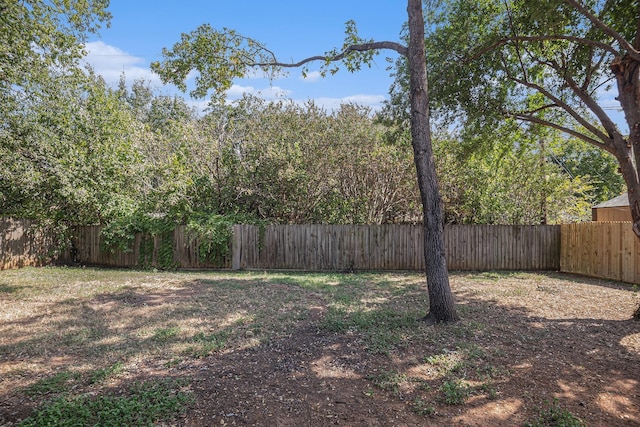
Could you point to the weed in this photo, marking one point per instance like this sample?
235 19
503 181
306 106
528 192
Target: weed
145 404
422 384
420 407
162 335
455 392
173 362
471 351
554 415
447 363
489 371
207 344
383 328
58 383
100 375
489 388
335 320
463 330
381 341
388 380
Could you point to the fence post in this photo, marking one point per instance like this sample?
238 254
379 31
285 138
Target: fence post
236 248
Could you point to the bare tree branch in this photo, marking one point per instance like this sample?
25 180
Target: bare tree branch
401 49
553 37
515 34
591 103
566 107
537 110
533 119
605 29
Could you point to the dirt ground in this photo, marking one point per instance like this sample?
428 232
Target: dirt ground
591 364
526 343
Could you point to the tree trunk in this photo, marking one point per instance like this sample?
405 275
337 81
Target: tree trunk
441 302
627 73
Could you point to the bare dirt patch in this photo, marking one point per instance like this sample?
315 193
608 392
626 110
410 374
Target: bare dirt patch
325 349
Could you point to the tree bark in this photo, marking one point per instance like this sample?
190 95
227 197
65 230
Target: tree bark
441 301
627 150
627 73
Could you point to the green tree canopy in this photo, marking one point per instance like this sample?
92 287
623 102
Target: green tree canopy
544 63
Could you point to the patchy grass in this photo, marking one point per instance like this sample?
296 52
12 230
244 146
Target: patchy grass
80 345
554 415
144 403
388 380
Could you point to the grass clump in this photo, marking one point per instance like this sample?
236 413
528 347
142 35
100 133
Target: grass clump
455 392
388 380
55 384
447 363
555 416
205 344
383 329
102 374
163 335
420 407
146 404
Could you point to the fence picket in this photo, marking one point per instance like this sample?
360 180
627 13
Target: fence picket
608 250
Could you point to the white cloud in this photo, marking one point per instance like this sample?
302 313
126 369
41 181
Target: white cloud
110 62
200 105
236 91
270 92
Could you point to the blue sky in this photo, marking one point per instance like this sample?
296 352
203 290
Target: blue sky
292 29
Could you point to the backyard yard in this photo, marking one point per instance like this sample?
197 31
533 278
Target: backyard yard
122 347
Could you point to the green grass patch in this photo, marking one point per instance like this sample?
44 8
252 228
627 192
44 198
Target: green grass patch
206 344
102 374
388 380
383 328
554 415
455 392
163 335
145 404
421 407
9 289
55 384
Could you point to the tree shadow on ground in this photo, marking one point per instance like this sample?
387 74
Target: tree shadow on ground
281 365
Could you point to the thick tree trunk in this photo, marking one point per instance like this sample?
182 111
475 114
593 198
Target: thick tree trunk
627 73
441 302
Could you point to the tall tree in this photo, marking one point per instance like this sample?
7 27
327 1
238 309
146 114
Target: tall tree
221 56
510 180
547 63
40 40
52 111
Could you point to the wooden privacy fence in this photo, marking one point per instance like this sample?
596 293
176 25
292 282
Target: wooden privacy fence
22 244
312 247
171 250
393 247
608 250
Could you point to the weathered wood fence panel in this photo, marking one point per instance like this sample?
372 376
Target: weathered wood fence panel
608 250
394 247
21 244
146 251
